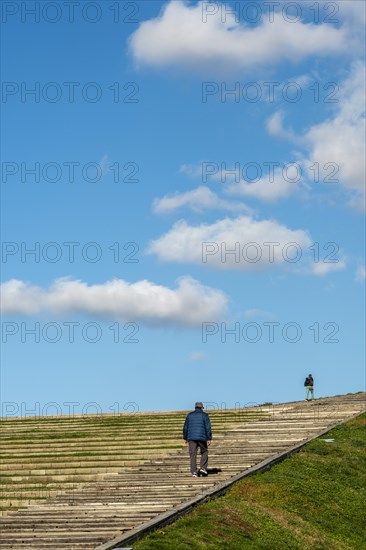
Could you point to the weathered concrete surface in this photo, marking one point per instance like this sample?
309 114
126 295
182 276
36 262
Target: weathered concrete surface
120 505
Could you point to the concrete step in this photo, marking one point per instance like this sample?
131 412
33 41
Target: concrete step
99 507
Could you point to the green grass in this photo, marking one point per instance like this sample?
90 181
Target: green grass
314 500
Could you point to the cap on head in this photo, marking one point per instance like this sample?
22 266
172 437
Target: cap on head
198 405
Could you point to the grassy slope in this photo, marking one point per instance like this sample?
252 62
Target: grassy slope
313 500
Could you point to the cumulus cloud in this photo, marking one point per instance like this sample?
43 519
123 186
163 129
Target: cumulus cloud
274 186
188 304
199 199
271 184
336 146
243 244
332 152
341 139
353 12
182 36
254 245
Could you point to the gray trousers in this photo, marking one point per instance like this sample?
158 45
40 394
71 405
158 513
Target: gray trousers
193 448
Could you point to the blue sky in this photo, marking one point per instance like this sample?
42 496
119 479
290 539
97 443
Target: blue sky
160 137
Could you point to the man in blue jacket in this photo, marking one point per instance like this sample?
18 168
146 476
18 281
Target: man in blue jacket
197 434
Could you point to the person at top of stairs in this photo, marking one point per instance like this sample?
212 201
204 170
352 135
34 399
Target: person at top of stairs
309 385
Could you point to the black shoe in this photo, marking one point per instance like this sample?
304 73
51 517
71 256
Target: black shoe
202 472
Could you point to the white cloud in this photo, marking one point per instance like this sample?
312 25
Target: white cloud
276 183
352 11
332 150
191 170
323 268
360 273
341 139
275 127
189 304
271 187
179 37
335 148
198 199
209 244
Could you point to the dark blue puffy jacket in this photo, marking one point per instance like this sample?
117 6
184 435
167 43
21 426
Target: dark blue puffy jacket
197 426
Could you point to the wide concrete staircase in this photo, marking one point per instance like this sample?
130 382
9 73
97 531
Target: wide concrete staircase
78 482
